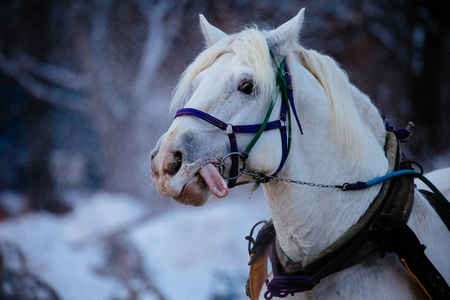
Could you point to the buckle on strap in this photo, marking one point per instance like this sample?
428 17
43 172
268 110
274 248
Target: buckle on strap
229 129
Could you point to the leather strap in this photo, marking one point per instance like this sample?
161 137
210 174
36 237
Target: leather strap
257 276
394 235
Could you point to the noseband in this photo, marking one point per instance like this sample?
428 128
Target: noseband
283 123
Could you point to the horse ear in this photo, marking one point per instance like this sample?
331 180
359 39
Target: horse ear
287 34
210 33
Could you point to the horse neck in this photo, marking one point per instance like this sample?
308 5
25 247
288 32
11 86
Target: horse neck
308 219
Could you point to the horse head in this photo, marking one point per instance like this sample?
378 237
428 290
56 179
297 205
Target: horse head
232 80
235 81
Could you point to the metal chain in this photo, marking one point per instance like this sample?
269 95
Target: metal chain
261 176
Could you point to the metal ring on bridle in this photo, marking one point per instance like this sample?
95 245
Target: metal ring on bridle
222 166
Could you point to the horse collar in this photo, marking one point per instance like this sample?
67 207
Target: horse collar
382 228
395 198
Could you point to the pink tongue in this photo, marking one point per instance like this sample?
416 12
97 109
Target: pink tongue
214 181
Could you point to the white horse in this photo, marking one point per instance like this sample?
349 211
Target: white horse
343 140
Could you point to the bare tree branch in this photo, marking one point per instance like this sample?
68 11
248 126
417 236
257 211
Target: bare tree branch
55 74
158 42
46 92
100 65
390 44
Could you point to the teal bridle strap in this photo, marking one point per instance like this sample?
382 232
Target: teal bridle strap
260 131
286 109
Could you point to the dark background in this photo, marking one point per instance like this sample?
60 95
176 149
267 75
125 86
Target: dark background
85 85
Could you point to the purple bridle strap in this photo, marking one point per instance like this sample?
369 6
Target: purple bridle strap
239 129
291 96
279 123
283 286
222 125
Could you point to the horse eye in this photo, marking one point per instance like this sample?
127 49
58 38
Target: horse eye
246 87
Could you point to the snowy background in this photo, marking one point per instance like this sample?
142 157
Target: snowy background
112 246
85 88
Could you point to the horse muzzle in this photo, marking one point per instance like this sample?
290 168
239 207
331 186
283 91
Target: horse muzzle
177 174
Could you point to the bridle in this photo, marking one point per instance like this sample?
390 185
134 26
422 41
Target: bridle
283 123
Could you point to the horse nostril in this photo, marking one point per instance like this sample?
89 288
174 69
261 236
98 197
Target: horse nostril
174 166
152 163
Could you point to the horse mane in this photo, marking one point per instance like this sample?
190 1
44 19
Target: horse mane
250 45
354 117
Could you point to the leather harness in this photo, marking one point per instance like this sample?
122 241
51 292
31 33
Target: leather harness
382 228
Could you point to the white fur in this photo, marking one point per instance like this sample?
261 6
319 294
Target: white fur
212 34
343 141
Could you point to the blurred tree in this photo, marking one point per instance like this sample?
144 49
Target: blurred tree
27 116
101 60
397 51
111 60
121 45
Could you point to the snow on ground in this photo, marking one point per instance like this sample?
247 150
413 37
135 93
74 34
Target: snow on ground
188 252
